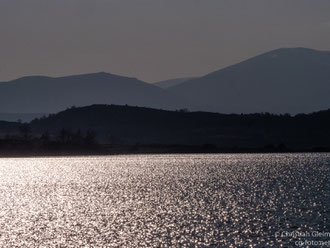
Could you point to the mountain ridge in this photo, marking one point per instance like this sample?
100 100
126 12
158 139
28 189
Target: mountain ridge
285 80
42 94
281 73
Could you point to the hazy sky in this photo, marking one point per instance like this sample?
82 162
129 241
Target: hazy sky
151 39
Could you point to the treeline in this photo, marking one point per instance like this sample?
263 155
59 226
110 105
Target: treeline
63 140
136 129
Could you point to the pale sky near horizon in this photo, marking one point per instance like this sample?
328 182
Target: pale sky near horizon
152 40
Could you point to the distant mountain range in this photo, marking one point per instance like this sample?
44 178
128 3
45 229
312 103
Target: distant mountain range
40 94
172 82
281 81
293 80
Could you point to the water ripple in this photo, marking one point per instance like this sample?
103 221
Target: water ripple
163 200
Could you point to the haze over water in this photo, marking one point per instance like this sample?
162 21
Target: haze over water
164 200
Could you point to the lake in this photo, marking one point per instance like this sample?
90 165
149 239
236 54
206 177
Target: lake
227 200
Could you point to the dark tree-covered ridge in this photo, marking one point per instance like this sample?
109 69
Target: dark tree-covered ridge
114 124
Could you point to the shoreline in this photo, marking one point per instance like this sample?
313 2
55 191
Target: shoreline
147 150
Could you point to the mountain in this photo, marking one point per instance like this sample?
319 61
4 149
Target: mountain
40 94
288 80
136 125
172 82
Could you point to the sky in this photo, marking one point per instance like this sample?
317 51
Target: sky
152 40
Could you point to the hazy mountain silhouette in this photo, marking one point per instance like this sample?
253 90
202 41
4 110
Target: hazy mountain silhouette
40 94
132 125
293 80
172 82
281 81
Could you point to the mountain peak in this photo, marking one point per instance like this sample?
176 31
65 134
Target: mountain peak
296 51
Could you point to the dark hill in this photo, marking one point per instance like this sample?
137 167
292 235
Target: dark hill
8 128
131 125
281 81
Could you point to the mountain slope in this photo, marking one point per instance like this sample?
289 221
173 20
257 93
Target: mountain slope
172 82
46 95
293 80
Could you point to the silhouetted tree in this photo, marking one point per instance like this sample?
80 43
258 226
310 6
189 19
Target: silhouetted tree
282 147
25 131
63 136
45 138
77 138
184 110
90 138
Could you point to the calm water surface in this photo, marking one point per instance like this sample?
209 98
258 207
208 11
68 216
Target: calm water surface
164 200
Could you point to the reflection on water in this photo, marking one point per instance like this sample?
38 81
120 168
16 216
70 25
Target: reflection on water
172 200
